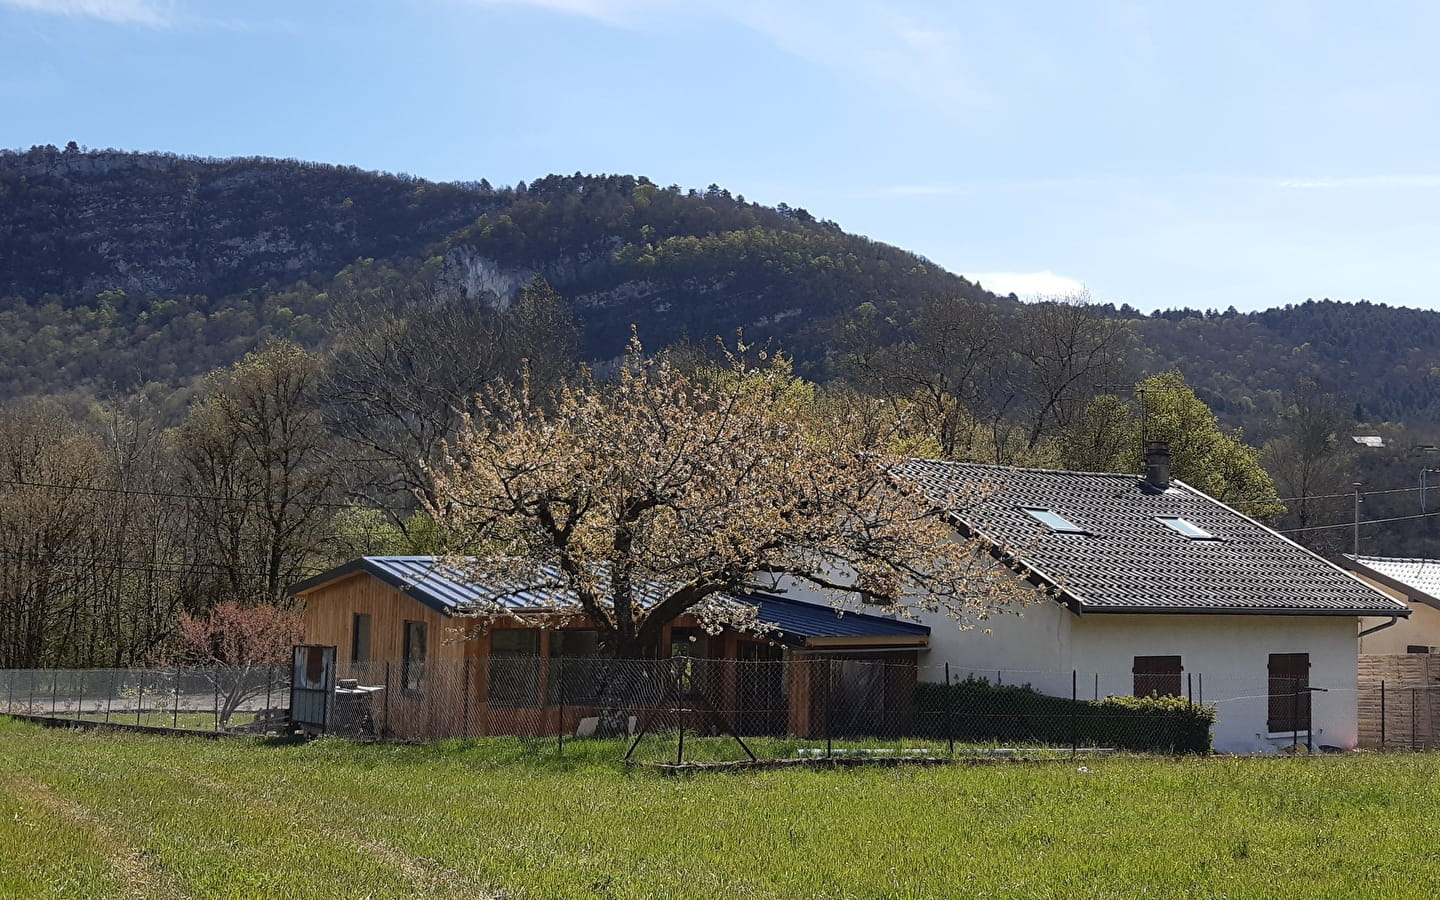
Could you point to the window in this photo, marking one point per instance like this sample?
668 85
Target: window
515 667
360 639
1157 676
412 673
1052 520
1289 692
574 669
1189 529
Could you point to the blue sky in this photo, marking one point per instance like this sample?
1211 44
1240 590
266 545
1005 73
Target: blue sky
1161 154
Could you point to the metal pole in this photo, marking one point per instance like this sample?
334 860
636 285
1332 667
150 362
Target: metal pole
1295 712
385 730
30 710
1189 689
1074 723
269 684
217 700
1097 687
949 712
1382 714
140 697
1201 685
111 696
829 677
1357 519
10 691
680 747
54 691
1413 718
175 713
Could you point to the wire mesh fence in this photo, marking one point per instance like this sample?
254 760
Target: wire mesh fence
233 699
693 709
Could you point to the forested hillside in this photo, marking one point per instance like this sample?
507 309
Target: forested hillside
217 376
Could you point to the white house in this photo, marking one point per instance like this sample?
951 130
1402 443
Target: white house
1159 588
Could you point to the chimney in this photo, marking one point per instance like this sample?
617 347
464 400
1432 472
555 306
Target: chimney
1157 464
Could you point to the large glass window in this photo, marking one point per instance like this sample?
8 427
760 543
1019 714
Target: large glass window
413 667
515 667
574 667
360 639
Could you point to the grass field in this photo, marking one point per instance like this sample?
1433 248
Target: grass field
116 815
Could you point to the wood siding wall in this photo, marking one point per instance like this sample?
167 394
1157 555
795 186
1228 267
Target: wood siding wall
1411 701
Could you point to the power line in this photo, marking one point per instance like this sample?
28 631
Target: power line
1363 522
176 495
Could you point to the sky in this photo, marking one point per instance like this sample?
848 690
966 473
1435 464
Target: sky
1164 154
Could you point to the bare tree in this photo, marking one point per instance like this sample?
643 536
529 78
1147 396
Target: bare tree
1306 459
255 465
402 372
1067 348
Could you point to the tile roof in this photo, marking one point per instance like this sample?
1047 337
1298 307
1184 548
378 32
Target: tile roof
449 592
1419 578
1128 561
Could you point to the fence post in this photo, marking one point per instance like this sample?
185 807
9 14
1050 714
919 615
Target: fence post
10 691
30 710
1097 687
385 730
949 712
269 685
1201 685
1189 689
829 684
1382 714
680 746
217 699
1074 722
175 701
1295 712
110 697
54 690
80 710
1413 718
140 697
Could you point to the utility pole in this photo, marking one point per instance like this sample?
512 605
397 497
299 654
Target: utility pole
1357 485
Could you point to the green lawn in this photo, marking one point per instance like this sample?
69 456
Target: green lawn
114 815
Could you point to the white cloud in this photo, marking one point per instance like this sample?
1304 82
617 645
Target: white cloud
918 52
1027 285
122 12
1390 182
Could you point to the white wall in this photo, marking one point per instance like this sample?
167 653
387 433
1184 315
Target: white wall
1043 643
1229 659
1421 628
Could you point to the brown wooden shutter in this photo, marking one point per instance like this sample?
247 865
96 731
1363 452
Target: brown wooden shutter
1289 697
1158 675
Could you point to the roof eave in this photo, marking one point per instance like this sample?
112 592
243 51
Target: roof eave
1399 611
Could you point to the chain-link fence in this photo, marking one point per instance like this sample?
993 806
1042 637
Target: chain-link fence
721 709
695 709
252 699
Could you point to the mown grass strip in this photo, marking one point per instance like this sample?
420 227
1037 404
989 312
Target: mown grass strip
509 814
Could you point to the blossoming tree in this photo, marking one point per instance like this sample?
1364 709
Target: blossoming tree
662 493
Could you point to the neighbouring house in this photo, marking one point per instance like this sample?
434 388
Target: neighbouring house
1400 658
1413 582
1158 588
400 622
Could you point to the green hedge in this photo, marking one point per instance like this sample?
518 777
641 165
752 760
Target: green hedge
975 710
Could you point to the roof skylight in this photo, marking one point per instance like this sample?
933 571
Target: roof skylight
1052 520
1184 526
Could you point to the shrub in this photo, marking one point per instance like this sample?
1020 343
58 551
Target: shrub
975 710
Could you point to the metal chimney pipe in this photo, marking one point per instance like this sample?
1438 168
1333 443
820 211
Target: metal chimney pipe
1157 464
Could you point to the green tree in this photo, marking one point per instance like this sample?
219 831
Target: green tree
1110 436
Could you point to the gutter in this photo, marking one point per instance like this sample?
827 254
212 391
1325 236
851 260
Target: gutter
1381 627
